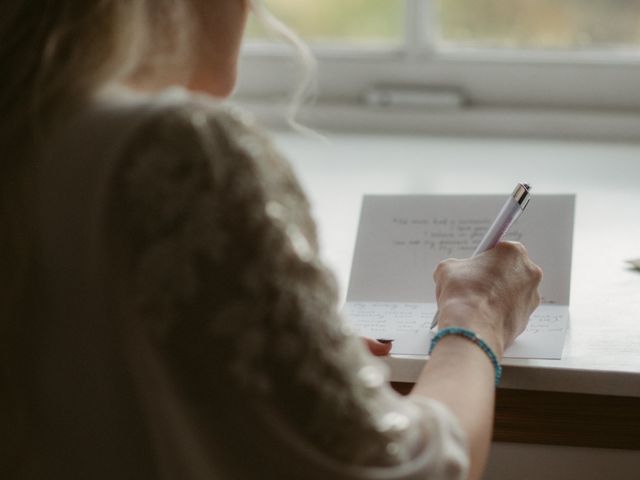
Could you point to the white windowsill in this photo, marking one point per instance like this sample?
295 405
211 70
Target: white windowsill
604 177
600 125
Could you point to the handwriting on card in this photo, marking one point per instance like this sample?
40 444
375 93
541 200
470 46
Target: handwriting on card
443 235
541 323
408 324
381 319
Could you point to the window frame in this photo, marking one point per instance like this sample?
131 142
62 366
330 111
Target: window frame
562 84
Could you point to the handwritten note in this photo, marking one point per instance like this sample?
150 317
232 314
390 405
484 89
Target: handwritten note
442 235
402 238
408 325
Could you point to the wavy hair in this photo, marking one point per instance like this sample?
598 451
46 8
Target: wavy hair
54 54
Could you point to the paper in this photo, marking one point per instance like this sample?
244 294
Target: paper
408 325
401 239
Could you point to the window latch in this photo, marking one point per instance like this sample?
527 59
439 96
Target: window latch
415 97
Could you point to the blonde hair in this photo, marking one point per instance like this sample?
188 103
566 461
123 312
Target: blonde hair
306 60
54 53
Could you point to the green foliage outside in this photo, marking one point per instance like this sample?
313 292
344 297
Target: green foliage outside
541 23
339 20
490 23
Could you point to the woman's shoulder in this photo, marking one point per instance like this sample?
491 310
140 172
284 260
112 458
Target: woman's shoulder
170 130
179 128
185 147
104 127
172 115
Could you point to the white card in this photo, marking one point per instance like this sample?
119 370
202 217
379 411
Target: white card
407 324
402 238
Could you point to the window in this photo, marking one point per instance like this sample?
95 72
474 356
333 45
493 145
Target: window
339 21
540 24
548 66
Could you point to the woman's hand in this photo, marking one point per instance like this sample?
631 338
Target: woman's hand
492 294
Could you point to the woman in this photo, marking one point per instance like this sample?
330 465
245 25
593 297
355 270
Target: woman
165 313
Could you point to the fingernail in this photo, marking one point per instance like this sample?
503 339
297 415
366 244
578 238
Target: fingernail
384 340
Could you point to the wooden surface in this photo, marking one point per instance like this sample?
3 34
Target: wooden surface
567 419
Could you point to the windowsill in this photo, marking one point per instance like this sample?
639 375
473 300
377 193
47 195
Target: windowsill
604 176
592 125
338 171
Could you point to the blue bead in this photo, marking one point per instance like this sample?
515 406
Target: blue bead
463 332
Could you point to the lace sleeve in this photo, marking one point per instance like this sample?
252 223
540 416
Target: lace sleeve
225 258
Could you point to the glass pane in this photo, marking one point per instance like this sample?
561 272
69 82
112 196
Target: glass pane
338 21
552 24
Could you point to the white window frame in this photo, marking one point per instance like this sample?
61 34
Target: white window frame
576 94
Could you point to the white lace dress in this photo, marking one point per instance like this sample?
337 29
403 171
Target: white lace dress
189 320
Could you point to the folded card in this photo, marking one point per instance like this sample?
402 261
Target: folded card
402 238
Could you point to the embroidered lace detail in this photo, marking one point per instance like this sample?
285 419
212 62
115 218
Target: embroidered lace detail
227 278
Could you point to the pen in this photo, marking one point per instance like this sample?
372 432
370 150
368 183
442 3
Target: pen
509 213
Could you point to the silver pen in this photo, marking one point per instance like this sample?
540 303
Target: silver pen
511 210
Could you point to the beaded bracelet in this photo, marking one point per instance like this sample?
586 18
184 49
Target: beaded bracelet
468 334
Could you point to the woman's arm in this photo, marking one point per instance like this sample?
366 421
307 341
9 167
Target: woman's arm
492 295
225 275
458 376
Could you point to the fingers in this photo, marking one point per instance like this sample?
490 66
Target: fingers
515 246
441 271
443 267
500 284
377 348
535 272
530 272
